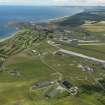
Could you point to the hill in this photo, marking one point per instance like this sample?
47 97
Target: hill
34 70
80 18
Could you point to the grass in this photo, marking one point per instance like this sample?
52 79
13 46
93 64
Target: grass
94 27
89 51
14 90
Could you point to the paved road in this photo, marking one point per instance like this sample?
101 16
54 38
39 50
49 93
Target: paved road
92 44
81 55
76 54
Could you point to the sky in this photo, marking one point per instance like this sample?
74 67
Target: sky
52 2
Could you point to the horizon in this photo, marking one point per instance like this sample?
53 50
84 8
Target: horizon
55 5
53 2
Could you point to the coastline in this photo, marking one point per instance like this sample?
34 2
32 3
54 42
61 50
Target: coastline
58 18
49 20
14 33
9 37
61 17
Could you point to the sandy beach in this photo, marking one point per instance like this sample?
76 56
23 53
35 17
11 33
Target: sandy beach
6 38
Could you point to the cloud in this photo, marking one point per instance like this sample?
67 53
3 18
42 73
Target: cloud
53 2
78 2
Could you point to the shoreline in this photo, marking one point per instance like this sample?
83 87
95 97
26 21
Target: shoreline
14 33
9 37
58 18
6 38
62 17
49 20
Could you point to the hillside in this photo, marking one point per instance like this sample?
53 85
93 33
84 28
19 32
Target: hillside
50 64
80 18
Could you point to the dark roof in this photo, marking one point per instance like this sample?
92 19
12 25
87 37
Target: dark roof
66 84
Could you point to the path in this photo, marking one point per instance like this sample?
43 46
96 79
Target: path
76 54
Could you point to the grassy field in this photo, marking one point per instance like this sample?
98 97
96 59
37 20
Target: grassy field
94 27
15 90
34 60
93 51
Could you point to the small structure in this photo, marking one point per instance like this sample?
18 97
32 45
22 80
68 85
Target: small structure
62 86
103 65
86 68
65 84
74 91
55 88
59 53
42 84
14 73
34 51
74 42
69 87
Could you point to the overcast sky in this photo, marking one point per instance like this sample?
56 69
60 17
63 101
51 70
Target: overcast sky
52 2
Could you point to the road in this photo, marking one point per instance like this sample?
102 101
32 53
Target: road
76 54
91 44
81 55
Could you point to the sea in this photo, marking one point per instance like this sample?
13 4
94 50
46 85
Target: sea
31 14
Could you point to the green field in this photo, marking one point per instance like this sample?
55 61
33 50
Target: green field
95 27
27 58
15 90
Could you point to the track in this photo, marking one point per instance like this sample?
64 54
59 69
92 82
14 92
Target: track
76 54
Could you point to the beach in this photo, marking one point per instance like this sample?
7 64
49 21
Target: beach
6 38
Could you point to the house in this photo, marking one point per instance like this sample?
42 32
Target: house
74 42
34 51
14 73
86 68
42 84
61 87
65 84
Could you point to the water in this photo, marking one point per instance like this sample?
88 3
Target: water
29 13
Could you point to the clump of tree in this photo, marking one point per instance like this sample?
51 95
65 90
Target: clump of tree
101 99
